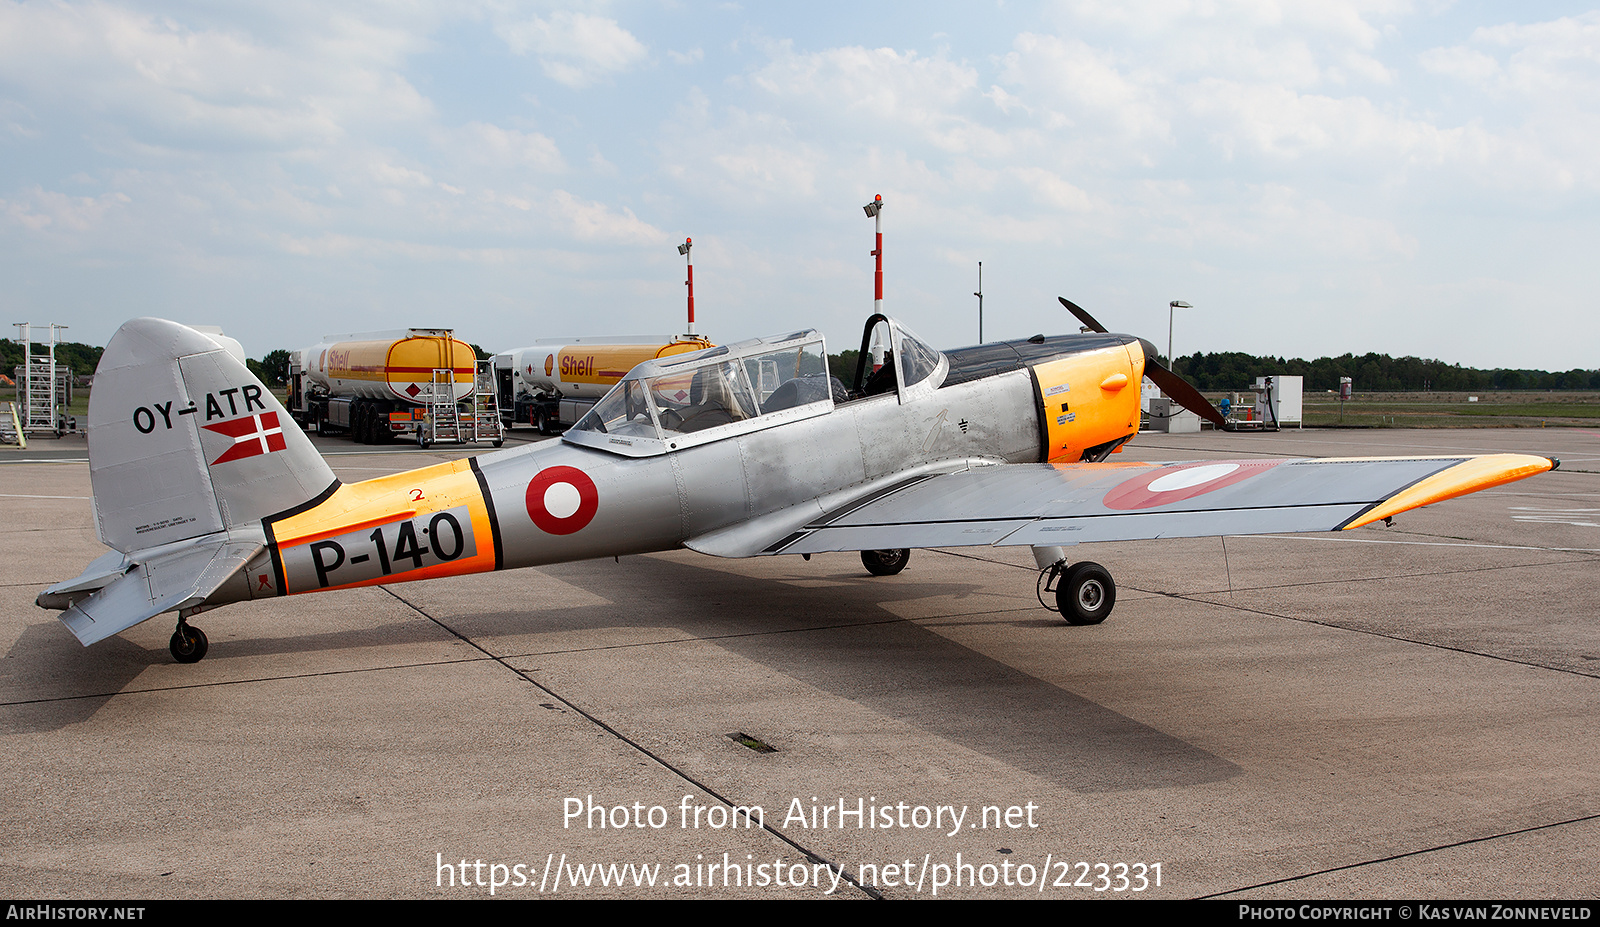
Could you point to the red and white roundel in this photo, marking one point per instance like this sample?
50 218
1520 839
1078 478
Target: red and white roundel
561 500
1163 485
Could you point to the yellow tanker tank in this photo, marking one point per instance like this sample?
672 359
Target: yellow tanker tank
578 369
398 369
552 383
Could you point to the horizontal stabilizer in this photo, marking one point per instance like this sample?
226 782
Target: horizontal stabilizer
162 580
97 575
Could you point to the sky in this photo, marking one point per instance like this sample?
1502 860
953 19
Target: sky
1411 178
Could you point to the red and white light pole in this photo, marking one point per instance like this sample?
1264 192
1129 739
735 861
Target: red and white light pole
874 211
683 249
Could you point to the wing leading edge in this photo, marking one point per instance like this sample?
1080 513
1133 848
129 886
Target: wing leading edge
1058 505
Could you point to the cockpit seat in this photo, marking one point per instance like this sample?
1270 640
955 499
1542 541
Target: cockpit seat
798 391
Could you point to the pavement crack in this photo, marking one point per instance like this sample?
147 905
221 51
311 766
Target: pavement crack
658 759
236 682
1392 857
1193 597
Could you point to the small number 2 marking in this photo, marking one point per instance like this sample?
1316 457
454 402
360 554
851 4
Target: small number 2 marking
416 495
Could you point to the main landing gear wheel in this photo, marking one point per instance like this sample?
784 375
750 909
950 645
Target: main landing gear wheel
885 562
1085 593
189 644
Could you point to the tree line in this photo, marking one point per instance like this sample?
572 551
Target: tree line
1227 370
1232 370
82 358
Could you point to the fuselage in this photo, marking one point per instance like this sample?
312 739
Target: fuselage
1060 399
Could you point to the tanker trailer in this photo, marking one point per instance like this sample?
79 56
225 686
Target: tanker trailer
376 385
553 382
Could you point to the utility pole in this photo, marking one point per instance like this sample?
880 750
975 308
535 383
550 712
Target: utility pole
1174 305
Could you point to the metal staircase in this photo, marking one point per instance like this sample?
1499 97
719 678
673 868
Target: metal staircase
42 385
443 422
467 422
486 423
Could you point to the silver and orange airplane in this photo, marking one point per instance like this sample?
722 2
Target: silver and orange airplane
208 494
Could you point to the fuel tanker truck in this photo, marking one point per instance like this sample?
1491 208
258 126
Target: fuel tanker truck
416 383
552 383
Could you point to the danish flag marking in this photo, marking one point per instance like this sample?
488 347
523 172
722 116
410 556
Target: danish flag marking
251 434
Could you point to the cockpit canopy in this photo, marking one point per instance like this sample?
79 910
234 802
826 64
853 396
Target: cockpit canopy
690 399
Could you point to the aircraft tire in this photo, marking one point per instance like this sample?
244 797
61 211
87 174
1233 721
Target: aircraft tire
189 644
885 562
1086 594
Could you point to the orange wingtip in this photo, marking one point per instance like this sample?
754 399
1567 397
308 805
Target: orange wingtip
1467 476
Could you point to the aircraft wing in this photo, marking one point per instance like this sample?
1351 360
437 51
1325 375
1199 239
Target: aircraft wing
1063 504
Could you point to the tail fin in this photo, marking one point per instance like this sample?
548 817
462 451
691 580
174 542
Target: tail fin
184 441
188 452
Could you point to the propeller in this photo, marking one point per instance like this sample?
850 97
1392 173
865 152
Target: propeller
1173 385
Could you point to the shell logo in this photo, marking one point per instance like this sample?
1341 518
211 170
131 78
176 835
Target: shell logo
1165 485
549 364
562 500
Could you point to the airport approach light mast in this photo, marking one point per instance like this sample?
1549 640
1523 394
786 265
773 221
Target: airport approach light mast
688 259
873 211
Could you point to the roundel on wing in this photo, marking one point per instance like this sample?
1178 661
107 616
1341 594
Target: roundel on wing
1165 485
561 500
549 364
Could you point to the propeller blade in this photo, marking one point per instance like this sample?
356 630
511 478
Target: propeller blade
1174 386
1178 388
1082 315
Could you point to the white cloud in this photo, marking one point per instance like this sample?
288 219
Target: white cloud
487 143
48 211
594 222
171 85
575 49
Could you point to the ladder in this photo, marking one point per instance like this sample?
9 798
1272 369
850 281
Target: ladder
486 423
445 419
444 416
40 386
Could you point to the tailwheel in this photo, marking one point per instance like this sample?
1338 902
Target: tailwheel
885 562
1085 593
189 644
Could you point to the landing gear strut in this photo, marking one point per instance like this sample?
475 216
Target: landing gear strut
1084 591
189 644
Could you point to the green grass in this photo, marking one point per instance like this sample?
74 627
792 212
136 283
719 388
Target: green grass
1451 410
